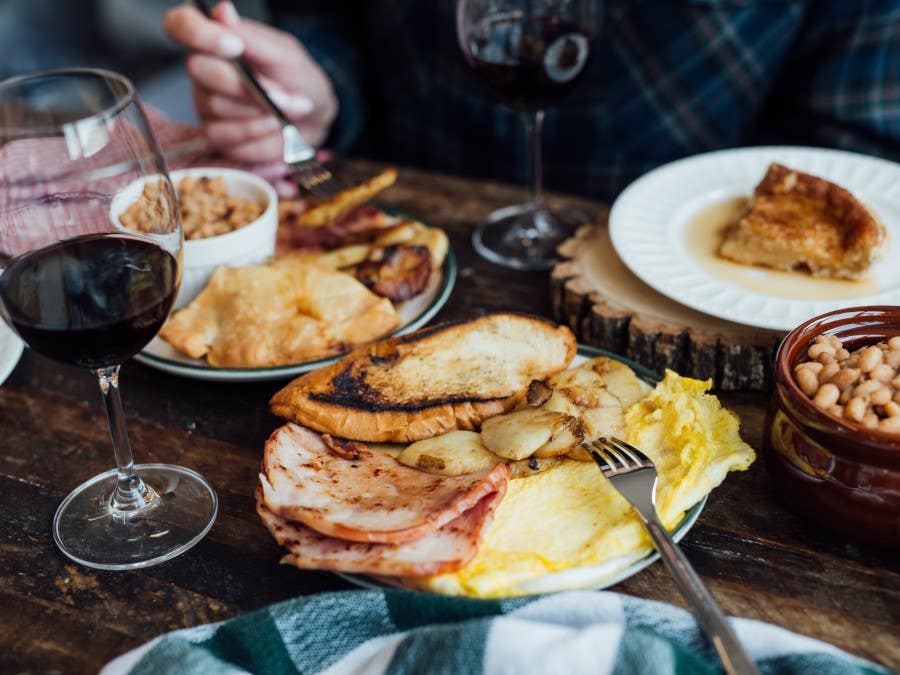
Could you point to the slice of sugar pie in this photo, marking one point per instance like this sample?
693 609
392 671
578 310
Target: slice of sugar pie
797 221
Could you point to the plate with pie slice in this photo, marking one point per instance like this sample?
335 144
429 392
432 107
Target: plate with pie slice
765 236
413 313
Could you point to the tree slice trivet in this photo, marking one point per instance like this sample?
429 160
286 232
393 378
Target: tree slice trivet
607 306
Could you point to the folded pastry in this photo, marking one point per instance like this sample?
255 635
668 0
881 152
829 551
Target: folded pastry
796 221
268 315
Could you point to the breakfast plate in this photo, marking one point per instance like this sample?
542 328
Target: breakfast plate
597 576
665 225
10 350
414 314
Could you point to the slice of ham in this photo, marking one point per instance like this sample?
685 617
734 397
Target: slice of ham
445 550
371 499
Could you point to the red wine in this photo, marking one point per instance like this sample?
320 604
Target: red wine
92 301
529 64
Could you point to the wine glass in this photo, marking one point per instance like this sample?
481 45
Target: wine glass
75 150
530 54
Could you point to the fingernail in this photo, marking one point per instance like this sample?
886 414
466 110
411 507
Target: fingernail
230 15
230 46
292 103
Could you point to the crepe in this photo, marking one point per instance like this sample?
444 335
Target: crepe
268 315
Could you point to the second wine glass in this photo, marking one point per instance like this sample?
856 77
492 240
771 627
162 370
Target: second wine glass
530 54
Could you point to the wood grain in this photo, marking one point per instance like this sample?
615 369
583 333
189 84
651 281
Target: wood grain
760 560
607 306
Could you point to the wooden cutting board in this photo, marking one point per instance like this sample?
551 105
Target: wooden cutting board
607 306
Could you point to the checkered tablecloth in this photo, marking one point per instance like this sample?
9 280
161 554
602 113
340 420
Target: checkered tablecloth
401 632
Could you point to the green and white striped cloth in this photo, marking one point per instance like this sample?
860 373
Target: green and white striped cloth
400 632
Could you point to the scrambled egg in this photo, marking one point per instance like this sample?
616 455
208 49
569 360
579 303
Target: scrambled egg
570 516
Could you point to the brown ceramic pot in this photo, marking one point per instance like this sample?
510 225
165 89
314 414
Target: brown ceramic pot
843 476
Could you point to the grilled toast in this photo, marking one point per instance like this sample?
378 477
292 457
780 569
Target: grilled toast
797 221
444 377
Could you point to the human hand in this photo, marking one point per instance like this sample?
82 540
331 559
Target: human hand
232 120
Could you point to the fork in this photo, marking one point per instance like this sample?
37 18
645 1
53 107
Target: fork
311 176
634 475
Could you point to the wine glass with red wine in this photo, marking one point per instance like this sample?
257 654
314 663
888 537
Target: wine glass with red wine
78 287
530 54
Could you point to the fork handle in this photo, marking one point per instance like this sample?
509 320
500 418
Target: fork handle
709 615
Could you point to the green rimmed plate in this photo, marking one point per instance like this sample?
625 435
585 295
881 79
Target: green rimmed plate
594 577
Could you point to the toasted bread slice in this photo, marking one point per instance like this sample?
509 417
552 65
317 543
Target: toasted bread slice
449 376
797 221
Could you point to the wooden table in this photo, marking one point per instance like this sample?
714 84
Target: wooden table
759 560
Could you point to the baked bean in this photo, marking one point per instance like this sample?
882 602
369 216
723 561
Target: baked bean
845 378
890 424
808 381
826 357
828 372
883 373
820 348
867 388
814 366
862 386
855 409
870 357
880 396
827 395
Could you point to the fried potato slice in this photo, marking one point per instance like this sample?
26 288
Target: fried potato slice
520 433
452 454
323 212
338 258
619 379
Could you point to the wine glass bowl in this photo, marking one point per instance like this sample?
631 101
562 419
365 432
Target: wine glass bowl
80 290
529 54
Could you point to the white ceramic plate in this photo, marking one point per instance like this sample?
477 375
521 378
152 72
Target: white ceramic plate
595 577
414 314
650 220
10 350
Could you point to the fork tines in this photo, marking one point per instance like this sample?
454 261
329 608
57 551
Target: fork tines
317 180
615 455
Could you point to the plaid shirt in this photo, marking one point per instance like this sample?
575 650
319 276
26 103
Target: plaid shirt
668 78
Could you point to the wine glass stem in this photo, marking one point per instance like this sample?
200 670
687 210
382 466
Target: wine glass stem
536 126
131 493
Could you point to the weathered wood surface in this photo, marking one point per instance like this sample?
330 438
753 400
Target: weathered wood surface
760 560
607 306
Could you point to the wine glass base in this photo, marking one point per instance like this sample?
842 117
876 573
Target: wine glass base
89 532
525 237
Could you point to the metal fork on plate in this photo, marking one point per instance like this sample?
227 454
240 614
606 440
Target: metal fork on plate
634 475
311 176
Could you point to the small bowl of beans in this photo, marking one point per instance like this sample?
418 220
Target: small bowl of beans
832 431
229 217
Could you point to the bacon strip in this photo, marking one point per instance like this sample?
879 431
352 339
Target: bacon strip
372 499
445 550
